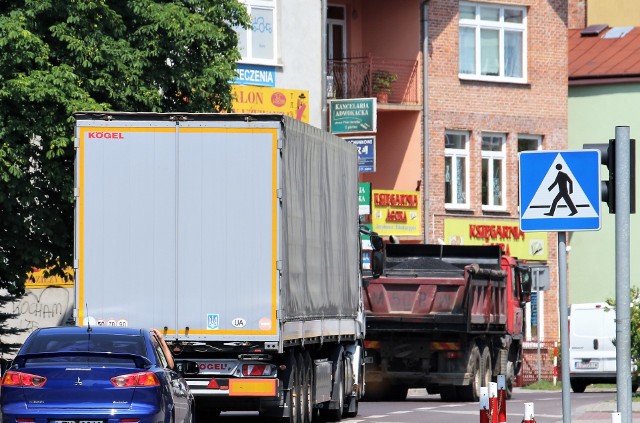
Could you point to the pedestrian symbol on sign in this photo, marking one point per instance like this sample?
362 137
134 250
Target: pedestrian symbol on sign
565 189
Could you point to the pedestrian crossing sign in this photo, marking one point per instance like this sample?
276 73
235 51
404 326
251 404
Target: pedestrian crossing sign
560 190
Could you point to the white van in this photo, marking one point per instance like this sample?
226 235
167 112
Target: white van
592 354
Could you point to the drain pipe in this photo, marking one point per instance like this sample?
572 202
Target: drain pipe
425 115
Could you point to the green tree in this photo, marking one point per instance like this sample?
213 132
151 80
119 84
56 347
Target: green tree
62 56
635 323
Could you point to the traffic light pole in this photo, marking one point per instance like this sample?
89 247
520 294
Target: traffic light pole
622 253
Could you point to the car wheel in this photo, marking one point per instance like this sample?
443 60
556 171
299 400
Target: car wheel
578 386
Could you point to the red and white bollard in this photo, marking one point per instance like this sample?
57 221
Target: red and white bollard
493 401
616 417
502 399
555 364
528 413
485 412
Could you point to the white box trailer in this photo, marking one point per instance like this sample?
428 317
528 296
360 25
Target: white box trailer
237 237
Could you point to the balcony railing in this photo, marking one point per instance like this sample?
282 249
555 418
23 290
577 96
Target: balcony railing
354 78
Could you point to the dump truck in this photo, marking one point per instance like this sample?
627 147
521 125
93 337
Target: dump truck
446 318
235 235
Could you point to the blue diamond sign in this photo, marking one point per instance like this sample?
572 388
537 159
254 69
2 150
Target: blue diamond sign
560 190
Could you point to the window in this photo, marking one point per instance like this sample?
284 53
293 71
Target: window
493 42
493 169
456 163
258 44
529 142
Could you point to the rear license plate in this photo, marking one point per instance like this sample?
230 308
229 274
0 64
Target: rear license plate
76 421
586 364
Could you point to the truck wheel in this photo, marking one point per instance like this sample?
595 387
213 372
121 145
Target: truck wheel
306 381
448 393
292 384
335 414
471 392
509 378
397 393
486 370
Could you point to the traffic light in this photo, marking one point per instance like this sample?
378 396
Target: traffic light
608 158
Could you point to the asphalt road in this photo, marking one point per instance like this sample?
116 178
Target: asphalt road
593 406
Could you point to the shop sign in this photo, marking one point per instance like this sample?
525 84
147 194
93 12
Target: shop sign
364 198
505 233
366 152
250 99
351 116
396 212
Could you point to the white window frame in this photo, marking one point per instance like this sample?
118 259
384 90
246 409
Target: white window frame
492 157
248 55
455 153
477 24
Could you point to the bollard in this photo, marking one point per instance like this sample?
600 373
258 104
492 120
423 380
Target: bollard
616 417
484 405
528 413
493 401
502 399
555 364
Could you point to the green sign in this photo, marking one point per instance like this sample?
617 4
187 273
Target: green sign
364 198
353 116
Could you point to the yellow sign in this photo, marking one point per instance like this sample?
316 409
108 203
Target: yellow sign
37 279
252 99
396 212
506 233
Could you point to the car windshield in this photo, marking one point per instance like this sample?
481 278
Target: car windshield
85 342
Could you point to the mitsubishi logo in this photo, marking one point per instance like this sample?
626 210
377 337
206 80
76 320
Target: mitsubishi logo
78 382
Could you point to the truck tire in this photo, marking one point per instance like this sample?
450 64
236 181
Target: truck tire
292 385
337 393
306 381
397 393
448 393
509 379
471 392
486 369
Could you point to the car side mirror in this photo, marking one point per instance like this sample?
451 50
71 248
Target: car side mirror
187 367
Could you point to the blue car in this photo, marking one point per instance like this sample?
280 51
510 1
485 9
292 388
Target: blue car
95 375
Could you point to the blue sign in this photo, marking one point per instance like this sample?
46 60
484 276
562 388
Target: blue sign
264 76
366 152
560 190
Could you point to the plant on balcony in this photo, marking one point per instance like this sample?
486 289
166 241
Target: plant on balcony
381 82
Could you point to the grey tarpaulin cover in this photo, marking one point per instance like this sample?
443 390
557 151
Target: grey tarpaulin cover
320 181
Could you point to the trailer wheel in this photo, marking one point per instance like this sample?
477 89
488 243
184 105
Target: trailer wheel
306 381
471 392
292 385
486 370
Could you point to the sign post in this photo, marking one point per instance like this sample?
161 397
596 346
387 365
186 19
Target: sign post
560 192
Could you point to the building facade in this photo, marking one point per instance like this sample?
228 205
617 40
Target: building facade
604 87
468 84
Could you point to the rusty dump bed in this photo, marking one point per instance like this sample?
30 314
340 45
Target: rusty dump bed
438 288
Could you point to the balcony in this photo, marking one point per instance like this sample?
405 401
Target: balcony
358 77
